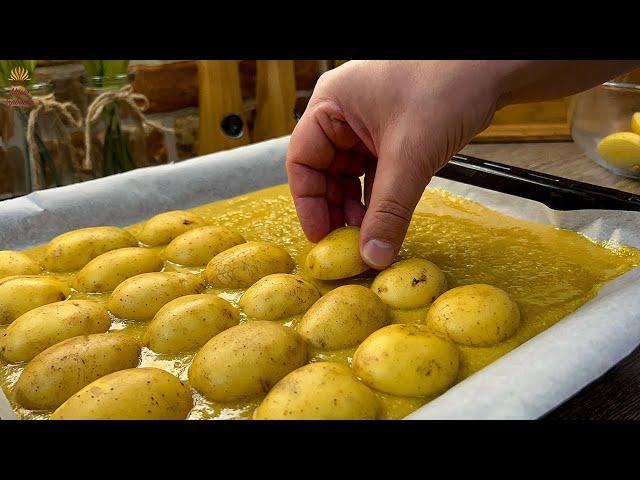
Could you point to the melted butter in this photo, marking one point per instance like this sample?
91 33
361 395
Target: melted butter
550 272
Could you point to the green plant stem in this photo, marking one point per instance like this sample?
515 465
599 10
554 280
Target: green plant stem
115 151
45 158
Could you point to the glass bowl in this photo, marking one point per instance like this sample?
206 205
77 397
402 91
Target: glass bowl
600 120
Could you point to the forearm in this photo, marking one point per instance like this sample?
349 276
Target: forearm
524 81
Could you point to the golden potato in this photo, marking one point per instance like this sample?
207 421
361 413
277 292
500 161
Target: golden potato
409 284
42 327
243 265
140 297
198 246
337 255
277 296
19 294
475 315
16 263
163 228
245 361
188 322
343 318
107 271
132 394
73 250
319 391
407 360
64 368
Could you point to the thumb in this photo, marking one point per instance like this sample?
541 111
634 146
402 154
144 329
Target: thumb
399 181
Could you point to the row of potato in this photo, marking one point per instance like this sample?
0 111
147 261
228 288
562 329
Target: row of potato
80 371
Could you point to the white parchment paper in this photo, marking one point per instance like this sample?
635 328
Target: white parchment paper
524 384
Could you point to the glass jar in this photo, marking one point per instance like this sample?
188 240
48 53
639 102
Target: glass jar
118 141
602 125
58 162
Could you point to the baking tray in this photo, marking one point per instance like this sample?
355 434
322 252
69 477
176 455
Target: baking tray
557 193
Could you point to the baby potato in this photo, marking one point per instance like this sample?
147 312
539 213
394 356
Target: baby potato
409 284
64 368
140 297
196 247
337 255
107 271
19 294
277 296
407 360
73 250
188 322
42 327
245 361
163 228
319 391
131 394
243 265
343 318
475 315
16 263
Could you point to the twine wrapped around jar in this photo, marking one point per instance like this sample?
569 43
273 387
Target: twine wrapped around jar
64 112
125 95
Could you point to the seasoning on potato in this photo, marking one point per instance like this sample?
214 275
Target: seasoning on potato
64 368
42 327
243 265
16 263
140 297
336 256
198 246
407 360
19 294
163 228
131 394
245 361
105 272
319 391
409 284
278 296
73 250
343 318
188 322
475 315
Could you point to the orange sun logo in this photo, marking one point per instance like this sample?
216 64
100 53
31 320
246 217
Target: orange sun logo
19 75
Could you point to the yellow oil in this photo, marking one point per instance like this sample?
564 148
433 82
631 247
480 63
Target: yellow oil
550 272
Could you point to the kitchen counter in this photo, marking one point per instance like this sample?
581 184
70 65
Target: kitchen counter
615 395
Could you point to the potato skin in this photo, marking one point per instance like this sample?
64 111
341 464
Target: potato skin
475 315
409 284
73 250
319 391
243 265
42 327
407 360
189 322
277 296
343 318
19 294
336 256
107 271
140 297
132 394
198 246
166 226
16 263
64 368
245 361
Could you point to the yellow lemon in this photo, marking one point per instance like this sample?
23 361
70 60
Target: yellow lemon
621 149
635 123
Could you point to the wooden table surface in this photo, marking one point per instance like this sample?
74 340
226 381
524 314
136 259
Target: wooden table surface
615 395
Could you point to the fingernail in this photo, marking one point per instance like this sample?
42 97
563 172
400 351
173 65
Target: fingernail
378 254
